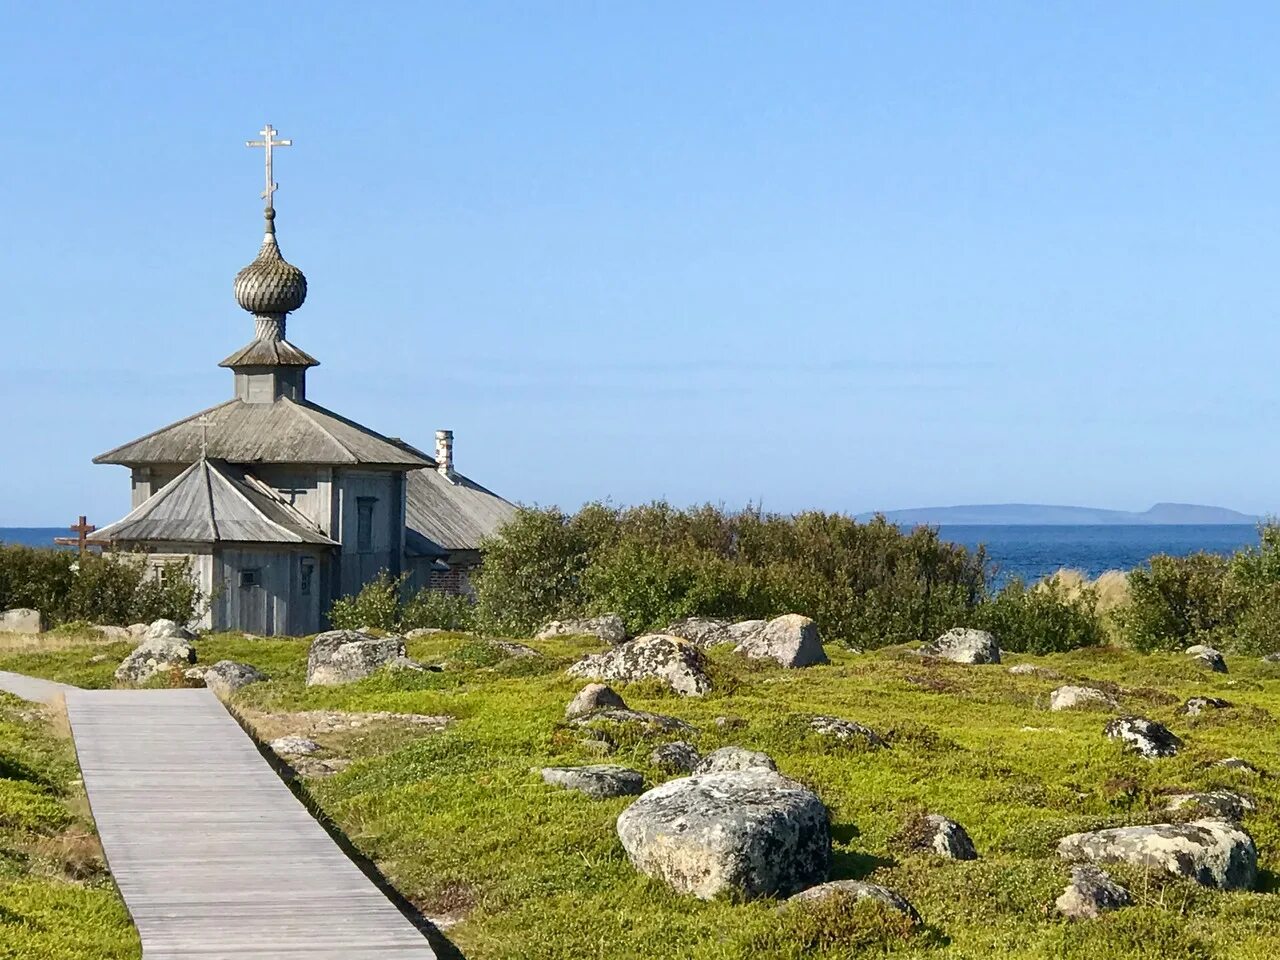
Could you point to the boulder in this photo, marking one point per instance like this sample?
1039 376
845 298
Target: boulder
109 632
342 656
227 676
1078 698
293 746
166 630
791 641
946 838
1207 657
21 620
1143 736
137 630
650 722
675 662
1198 705
593 697
744 630
1091 893
1213 853
963 645
845 731
598 782
751 833
153 656
678 756
608 627
701 631
728 759
857 890
1224 804
417 633
1031 669
512 650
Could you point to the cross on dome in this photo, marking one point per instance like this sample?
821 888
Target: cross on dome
268 143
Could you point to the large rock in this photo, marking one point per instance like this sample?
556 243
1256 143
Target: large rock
845 731
744 630
947 838
752 833
790 640
167 630
1225 804
1080 698
1143 736
21 620
675 662
678 756
1091 893
227 676
598 782
110 631
1214 853
856 890
154 656
728 759
342 656
608 627
701 631
1207 657
963 645
593 697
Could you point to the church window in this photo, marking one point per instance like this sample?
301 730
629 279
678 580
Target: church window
250 577
307 573
364 523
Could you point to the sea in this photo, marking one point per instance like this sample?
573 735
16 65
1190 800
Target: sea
1029 552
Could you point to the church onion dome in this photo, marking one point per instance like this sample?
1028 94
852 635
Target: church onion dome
270 285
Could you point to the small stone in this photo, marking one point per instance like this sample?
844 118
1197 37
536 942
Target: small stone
109 632
845 731
227 676
947 838
857 890
1090 893
1143 736
609 627
417 633
1031 669
734 758
513 650
598 782
729 723
1226 804
1272 657
1235 763
593 697
1078 698
964 645
1198 705
650 722
293 746
167 630
1214 853
678 756
1207 657
194 675
155 655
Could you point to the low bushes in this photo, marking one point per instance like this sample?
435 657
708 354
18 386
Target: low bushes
1050 617
383 605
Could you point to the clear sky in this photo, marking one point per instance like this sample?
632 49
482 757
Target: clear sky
846 256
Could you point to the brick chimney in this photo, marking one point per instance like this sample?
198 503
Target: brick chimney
444 455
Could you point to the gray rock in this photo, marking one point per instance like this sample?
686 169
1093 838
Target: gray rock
1213 853
608 627
342 656
728 759
675 662
598 782
227 676
293 746
167 630
1091 893
153 656
409 665
1243 766
109 632
744 630
857 890
963 645
1031 669
753 833
417 633
845 730
947 838
137 630
678 756
194 676
593 697
650 722
1272 657
21 620
1207 657
513 650
1198 705
729 723
701 631
1143 736
1080 698
791 641
1225 804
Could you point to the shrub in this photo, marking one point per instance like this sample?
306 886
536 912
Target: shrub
1177 601
1051 617
381 604
431 608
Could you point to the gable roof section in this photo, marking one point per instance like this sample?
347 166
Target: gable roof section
286 431
214 503
450 516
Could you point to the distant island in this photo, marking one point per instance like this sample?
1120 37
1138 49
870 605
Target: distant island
1029 514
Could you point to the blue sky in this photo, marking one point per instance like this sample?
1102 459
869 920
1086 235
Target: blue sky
845 256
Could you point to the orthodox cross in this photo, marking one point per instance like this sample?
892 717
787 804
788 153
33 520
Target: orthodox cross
204 423
268 133
81 528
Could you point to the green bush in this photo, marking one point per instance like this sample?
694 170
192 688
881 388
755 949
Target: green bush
431 608
106 589
1176 602
382 604
1046 618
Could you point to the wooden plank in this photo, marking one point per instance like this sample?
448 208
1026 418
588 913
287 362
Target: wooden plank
32 688
213 854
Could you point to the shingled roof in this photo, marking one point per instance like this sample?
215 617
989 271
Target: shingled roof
214 502
450 513
287 431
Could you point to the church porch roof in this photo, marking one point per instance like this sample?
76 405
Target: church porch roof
450 513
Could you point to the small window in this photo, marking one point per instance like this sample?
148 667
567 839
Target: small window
250 578
364 523
307 570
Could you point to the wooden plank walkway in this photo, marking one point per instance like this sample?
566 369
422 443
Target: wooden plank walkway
33 688
213 854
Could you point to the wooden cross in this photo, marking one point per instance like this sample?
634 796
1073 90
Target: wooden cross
81 528
204 423
268 133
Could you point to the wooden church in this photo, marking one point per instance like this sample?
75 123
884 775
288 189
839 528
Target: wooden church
282 506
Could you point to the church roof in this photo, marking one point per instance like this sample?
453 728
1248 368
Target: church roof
444 514
286 431
270 353
214 502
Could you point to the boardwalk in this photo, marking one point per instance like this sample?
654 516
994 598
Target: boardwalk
213 854
33 688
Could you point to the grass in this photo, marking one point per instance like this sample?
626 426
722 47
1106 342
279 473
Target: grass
462 827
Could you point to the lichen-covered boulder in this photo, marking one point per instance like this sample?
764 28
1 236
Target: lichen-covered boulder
599 782
293 746
791 641
675 662
752 833
1143 736
678 756
856 890
1081 698
1225 804
845 731
593 697
608 627
227 676
643 720
1032 669
1214 853
946 838
734 758
1091 893
343 656
964 645
1198 705
1207 657
701 631
167 630
153 656
21 620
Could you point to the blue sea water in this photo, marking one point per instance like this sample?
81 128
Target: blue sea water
1029 552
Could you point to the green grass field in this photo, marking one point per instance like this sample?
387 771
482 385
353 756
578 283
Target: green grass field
464 829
